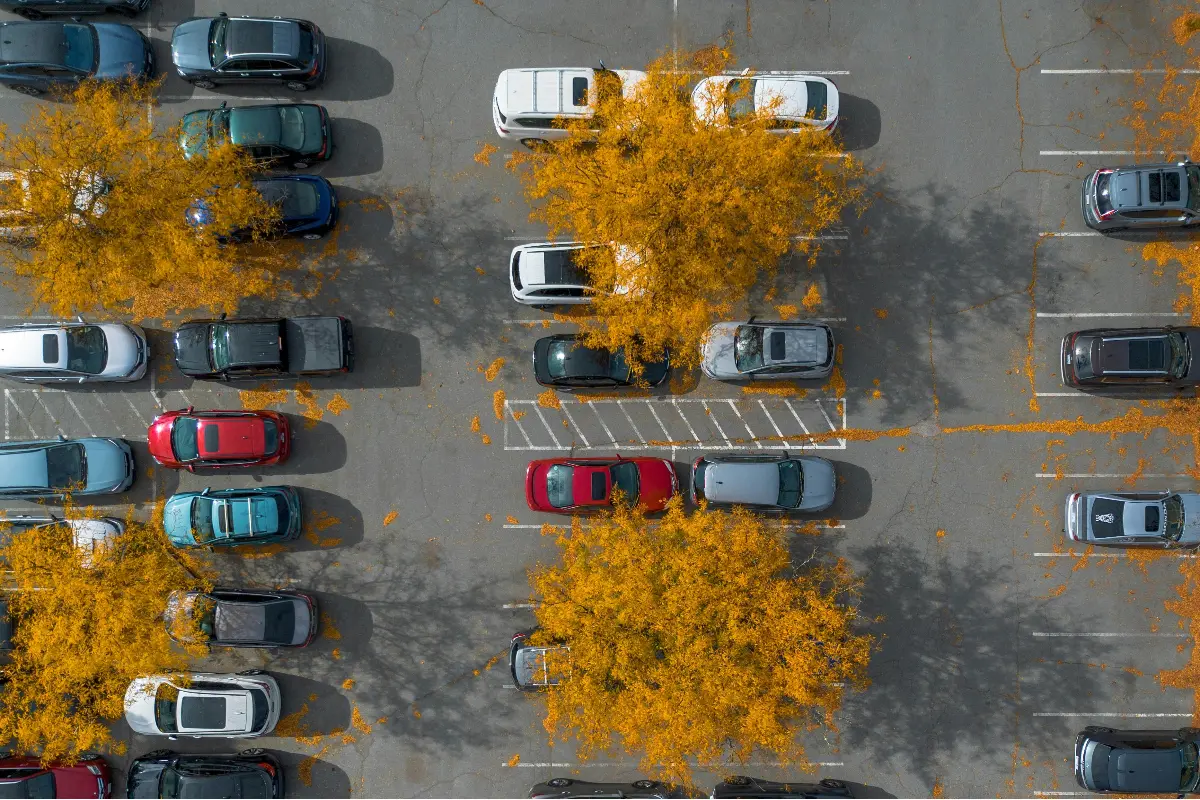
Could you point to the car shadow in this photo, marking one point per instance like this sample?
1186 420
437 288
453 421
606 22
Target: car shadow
859 123
317 778
310 708
385 357
356 72
855 487
357 149
330 520
317 447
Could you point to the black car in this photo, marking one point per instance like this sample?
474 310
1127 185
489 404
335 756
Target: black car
1130 358
246 617
36 57
743 786
232 349
40 9
563 362
307 206
1135 762
163 773
208 51
297 134
570 787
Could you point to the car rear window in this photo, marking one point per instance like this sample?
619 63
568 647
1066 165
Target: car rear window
270 437
1103 198
307 45
1164 187
205 713
258 700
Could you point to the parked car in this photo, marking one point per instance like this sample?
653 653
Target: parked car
743 786
74 352
233 349
203 704
7 631
307 205
19 226
573 787
22 776
209 51
1137 762
764 482
295 134
90 533
795 101
1133 519
1142 197
166 774
189 439
40 9
579 485
1130 358
530 105
535 668
56 467
563 362
245 617
546 273
231 517
37 57
753 350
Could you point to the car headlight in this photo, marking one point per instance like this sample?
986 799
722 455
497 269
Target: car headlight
92 768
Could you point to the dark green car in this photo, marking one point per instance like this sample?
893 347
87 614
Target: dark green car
292 134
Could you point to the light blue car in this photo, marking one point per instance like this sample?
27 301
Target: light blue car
231 517
57 467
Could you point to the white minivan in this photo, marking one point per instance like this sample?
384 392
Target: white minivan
528 101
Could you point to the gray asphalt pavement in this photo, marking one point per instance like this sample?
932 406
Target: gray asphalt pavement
997 644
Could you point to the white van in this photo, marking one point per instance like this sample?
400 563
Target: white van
527 101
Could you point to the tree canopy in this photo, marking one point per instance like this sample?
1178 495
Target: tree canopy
693 634
93 206
692 214
85 625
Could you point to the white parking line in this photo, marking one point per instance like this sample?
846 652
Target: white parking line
566 411
691 430
716 423
753 438
78 413
1038 793
582 764
1117 71
8 399
520 427
829 237
136 413
1107 714
38 397
1111 475
1073 554
1046 234
518 605
1069 314
529 526
545 424
1061 394
771 420
611 439
1110 635
1102 152
629 419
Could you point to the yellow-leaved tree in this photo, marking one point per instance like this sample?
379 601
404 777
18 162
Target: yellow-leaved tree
93 210
692 638
86 622
689 215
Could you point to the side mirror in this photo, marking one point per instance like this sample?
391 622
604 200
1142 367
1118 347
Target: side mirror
189 409
222 14
601 60
223 315
62 438
224 104
207 489
752 319
79 318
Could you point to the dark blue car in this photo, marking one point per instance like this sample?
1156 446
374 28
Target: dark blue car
36 57
308 205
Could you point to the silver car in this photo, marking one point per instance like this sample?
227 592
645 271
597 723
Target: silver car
1133 519
206 704
73 352
750 350
762 482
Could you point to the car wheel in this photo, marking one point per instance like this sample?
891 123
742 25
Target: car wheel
833 783
124 11
312 236
32 91
156 754
300 164
542 306
253 751
204 83
737 780
297 86
253 672
1097 729
559 782
645 784
1116 230
29 13
535 144
88 756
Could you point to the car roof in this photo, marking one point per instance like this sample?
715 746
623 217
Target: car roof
255 125
1149 186
1110 516
277 37
794 345
550 267
560 91
1145 770
33 42
253 343
753 482
1134 353
33 348
25 468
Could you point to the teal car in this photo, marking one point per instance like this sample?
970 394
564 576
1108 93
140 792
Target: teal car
292 134
231 517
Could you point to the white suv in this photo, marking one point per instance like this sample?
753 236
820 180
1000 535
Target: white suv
527 101
545 274
204 704
73 352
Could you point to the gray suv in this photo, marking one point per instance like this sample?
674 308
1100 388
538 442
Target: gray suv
208 51
1142 197
765 483
57 467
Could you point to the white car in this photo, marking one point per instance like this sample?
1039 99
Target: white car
90 534
545 274
527 102
14 202
804 101
73 352
207 704
738 351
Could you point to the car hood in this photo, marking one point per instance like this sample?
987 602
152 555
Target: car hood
159 436
107 466
177 519
142 780
189 44
717 352
122 51
123 355
139 705
191 348
820 483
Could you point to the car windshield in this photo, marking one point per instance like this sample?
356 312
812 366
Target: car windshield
202 514
558 486
625 479
1181 354
164 708
791 484
170 783
218 340
204 613
291 134
1190 776
36 787
216 40
80 47
748 349
183 438
818 99
1193 176
66 466
87 349
1174 505
739 98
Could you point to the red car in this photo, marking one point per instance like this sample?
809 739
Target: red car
577 485
26 777
189 439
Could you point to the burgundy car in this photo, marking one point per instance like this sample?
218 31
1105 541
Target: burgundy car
579 485
189 439
21 776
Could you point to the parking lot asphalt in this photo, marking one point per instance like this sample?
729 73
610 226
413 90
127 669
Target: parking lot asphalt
948 296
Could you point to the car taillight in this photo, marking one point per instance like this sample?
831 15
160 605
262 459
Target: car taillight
269 767
1108 213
